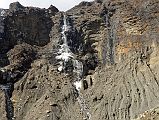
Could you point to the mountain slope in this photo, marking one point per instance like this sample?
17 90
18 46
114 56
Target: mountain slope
115 40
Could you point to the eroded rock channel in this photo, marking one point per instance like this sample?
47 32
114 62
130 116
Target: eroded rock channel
68 58
7 86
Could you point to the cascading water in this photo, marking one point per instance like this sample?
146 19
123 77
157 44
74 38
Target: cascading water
64 53
66 56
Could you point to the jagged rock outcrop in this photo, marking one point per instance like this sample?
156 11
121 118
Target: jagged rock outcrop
21 29
30 25
117 42
16 6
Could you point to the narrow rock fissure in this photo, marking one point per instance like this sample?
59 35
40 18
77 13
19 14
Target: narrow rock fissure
108 46
7 86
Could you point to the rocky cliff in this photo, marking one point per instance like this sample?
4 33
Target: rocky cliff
96 61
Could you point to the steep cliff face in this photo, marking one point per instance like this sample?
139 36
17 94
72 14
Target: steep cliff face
125 90
97 61
30 25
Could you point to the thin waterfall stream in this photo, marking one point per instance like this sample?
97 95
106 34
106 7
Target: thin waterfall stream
66 56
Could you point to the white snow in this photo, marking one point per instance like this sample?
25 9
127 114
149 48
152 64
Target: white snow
2 13
64 56
60 68
64 53
2 70
78 68
78 85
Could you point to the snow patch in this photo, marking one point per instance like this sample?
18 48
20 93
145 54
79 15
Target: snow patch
64 56
60 68
2 13
78 68
78 85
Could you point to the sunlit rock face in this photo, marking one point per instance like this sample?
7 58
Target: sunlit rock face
124 34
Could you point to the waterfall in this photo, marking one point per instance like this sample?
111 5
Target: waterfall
66 56
2 13
64 53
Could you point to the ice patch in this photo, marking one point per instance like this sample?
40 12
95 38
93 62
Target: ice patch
64 53
64 56
78 68
2 13
64 48
60 68
78 85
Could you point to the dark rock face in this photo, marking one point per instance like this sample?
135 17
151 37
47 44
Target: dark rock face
30 25
53 10
25 24
22 24
20 29
117 42
16 6
2 12
4 43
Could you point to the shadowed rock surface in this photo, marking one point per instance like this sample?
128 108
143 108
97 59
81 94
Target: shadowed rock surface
117 42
